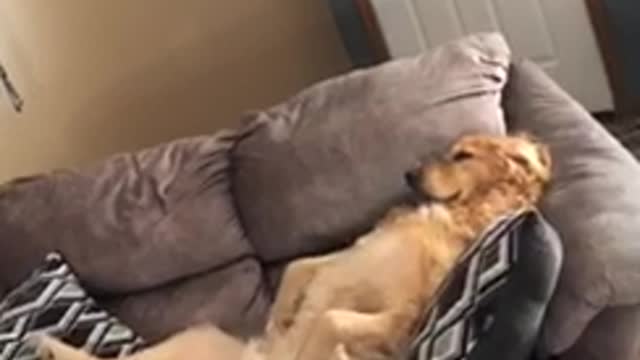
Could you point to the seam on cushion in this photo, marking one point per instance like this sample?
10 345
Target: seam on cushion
254 122
259 120
228 138
142 177
234 137
255 296
462 96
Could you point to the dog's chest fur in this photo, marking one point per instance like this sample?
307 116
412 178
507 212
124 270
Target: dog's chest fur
387 270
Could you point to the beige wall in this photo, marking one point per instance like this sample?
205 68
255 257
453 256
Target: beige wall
105 76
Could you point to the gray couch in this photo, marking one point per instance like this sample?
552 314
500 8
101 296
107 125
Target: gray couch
200 229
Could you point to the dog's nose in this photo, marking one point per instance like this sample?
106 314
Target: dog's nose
412 178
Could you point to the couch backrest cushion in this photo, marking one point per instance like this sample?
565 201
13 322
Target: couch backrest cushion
593 203
133 222
320 167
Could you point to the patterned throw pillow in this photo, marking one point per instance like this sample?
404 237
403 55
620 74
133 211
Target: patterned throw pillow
465 310
52 301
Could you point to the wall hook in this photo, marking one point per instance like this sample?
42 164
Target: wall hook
14 96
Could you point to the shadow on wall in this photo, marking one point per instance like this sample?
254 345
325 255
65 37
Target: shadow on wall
105 77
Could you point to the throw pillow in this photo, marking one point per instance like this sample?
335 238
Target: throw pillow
53 302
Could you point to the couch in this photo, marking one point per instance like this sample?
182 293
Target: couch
200 229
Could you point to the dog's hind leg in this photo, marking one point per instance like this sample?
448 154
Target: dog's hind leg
291 292
197 343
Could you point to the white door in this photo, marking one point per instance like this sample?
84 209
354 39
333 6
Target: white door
556 34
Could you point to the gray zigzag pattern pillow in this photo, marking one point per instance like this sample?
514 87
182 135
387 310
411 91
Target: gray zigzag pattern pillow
52 301
463 313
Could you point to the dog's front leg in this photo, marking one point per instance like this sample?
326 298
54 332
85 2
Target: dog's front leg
52 349
294 282
348 330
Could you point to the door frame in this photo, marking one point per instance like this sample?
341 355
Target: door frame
626 105
360 32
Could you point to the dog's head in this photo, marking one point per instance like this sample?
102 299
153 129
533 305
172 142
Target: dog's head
477 163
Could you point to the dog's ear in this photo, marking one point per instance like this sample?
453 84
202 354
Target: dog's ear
536 158
544 155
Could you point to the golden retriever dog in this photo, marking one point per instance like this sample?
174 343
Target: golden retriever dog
365 302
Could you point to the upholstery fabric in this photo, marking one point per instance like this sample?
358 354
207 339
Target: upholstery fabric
594 204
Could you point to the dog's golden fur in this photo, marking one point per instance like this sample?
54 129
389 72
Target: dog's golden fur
364 302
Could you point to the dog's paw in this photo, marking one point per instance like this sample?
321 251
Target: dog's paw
279 325
41 346
395 214
340 353
45 353
283 316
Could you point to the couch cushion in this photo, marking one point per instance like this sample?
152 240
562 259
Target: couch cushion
233 297
131 223
319 168
613 334
593 203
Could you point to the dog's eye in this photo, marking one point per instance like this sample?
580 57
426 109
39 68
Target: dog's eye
462 156
520 160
